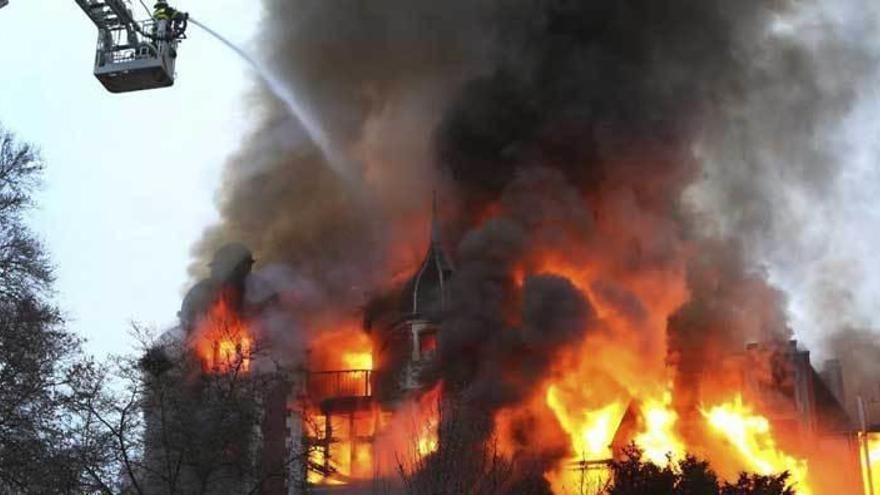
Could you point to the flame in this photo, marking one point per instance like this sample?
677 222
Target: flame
591 431
344 347
426 438
344 354
659 441
409 434
358 360
347 453
628 362
622 366
427 442
222 340
427 421
870 471
751 437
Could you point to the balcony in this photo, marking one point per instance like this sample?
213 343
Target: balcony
341 390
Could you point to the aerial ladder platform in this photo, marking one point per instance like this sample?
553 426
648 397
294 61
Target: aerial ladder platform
132 55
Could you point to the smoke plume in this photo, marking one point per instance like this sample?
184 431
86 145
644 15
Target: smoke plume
655 146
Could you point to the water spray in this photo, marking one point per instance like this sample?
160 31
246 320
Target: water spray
285 93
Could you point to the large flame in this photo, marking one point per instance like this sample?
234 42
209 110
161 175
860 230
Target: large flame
222 340
585 398
341 360
355 360
347 453
344 347
751 437
591 431
618 375
659 440
611 370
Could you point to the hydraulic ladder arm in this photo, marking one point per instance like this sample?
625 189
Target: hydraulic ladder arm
108 16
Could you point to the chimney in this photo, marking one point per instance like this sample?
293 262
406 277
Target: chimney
832 375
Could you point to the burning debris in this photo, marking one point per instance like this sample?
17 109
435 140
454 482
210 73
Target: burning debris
572 300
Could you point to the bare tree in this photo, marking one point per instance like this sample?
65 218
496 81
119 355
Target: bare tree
169 425
40 362
463 458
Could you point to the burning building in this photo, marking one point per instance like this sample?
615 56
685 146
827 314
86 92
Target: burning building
369 396
202 409
307 427
607 169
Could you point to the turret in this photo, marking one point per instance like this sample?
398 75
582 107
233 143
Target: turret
426 293
405 331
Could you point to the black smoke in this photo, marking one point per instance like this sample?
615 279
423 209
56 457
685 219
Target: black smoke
580 124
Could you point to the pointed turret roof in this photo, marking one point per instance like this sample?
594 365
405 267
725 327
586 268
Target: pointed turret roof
426 291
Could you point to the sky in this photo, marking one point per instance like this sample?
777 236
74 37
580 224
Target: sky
130 177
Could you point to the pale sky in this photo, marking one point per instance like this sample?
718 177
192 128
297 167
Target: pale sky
130 178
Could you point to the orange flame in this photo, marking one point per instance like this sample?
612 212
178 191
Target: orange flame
222 340
406 436
346 438
591 431
750 436
428 420
659 441
621 365
347 454
345 347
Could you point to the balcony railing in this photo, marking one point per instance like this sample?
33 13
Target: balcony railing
323 385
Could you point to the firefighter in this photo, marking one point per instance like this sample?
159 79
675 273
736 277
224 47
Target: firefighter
174 19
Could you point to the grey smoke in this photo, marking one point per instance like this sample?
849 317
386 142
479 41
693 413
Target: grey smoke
790 169
376 75
575 117
802 195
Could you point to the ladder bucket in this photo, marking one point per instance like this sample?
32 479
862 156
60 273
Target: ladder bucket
150 72
130 61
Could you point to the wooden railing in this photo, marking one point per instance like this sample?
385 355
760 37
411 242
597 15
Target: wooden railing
324 385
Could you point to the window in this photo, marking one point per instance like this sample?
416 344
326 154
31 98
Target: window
427 344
